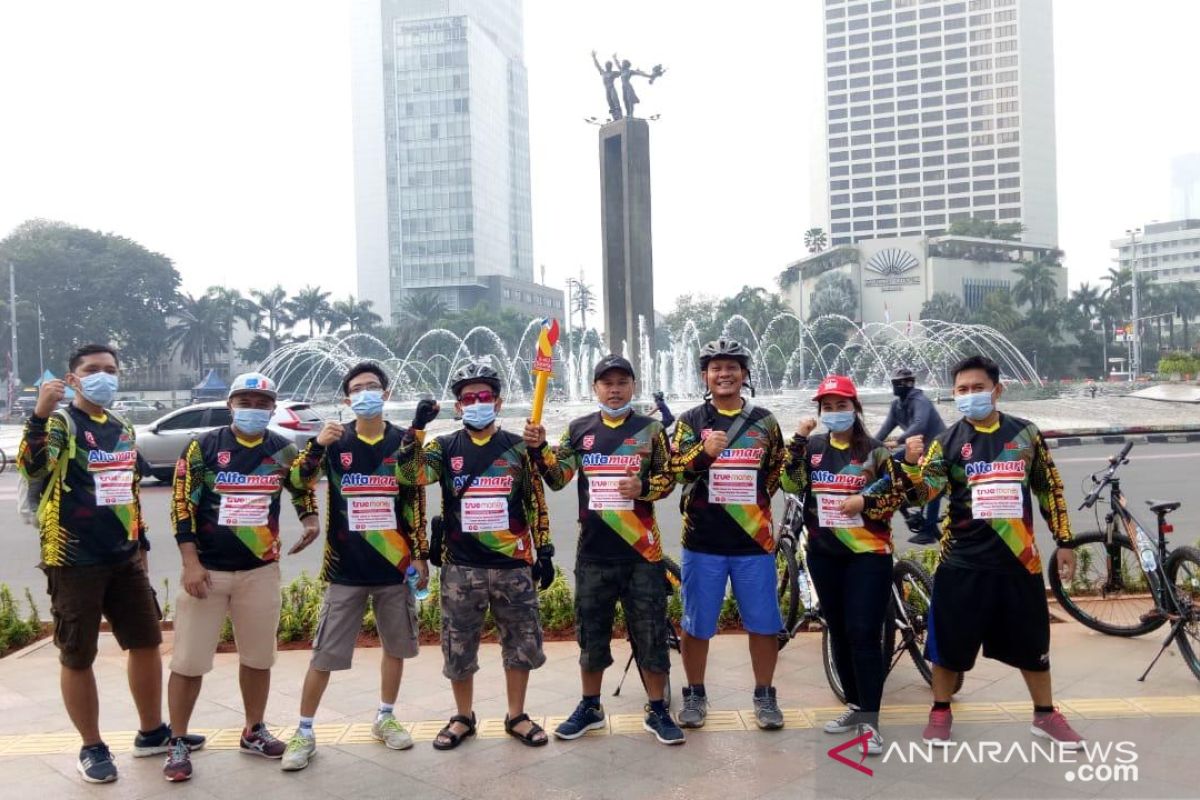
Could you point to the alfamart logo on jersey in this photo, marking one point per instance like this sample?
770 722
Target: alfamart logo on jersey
102 460
355 483
234 482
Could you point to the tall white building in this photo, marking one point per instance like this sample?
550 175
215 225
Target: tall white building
1168 252
441 149
939 110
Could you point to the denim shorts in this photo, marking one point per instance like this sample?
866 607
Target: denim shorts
705 576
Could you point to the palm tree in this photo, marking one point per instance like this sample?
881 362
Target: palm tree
815 240
273 303
311 304
424 310
944 306
1185 297
1086 300
231 307
999 312
355 313
1036 285
198 333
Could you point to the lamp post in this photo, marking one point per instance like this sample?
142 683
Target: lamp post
1135 356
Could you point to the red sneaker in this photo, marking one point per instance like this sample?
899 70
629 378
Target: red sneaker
938 729
1054 726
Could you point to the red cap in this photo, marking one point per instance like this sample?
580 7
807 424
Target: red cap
838 386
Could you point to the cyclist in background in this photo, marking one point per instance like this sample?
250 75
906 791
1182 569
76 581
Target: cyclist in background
915 415
849 555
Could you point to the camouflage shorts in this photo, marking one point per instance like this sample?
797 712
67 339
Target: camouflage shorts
467 594
641 588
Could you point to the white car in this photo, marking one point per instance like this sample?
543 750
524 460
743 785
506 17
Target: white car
163 441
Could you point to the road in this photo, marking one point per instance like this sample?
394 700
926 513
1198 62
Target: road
1164 471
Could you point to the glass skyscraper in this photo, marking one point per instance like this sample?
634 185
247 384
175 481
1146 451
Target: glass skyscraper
441 125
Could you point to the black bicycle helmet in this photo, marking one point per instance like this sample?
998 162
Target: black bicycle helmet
724 348
475 372
903 374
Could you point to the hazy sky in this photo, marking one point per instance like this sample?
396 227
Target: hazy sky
219 133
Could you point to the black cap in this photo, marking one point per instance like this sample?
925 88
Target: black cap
903 374
613 361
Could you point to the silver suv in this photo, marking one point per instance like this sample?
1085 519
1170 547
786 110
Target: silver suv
162 442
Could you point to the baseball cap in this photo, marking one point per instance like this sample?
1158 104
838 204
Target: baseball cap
253 382
837 386
613 361
903 374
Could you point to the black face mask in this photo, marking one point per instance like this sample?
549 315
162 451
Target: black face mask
901 390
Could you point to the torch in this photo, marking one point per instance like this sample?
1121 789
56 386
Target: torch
543 366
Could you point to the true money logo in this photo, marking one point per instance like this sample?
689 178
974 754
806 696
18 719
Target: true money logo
1093 762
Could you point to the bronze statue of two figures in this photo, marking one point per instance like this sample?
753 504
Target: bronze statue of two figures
625 72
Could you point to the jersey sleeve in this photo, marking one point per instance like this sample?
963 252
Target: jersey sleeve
304 496
688 459
418 465
794 477
536 511
412 501
42 444
884 497
927 479
185 492
557 465
1047 486
308 465
660 480
776 457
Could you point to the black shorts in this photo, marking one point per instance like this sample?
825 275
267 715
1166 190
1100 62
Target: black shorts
1005 612
121 592
641 586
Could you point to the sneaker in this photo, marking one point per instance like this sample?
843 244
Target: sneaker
938 729
96 764
584 718
158 741
875 743
663 728
843 723
299 752
261 742
387 730
179 762
1054 726
695 709
922 539
767 714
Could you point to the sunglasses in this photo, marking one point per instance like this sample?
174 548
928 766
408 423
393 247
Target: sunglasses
471 398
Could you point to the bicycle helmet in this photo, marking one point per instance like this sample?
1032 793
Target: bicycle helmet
724 348
903 374
475 372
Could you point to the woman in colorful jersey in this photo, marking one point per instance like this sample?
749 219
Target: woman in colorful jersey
849 554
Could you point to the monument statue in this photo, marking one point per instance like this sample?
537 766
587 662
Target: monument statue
626 72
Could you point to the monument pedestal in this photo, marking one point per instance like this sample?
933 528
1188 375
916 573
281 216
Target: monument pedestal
625 228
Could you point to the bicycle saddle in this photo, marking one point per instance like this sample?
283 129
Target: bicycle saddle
1163 506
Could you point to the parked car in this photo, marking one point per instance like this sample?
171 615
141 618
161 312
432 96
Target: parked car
134 406
164 440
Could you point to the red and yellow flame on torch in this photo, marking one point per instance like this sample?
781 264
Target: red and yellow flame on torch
543 363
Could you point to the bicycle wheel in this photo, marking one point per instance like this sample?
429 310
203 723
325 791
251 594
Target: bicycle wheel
3 461
788 588
910 621
1183 571
1109 593
831 673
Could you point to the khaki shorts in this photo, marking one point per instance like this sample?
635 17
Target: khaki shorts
251 598
342 617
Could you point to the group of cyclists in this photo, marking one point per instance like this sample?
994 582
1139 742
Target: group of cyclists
492 543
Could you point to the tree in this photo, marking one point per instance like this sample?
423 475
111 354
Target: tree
92 287
834 293
944 306
419 313
986 229
1036 284
273 304
310 304
1185 297
356 314
998 312
700 310
584 301
815 240
198 334
231 307
1086 302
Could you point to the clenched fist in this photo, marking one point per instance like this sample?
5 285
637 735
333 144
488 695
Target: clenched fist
630 486
914 448
806 426
716 442
331 432
534 435
49 396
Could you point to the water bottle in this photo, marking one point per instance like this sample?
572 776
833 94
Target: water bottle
805 596
1146 552
414 578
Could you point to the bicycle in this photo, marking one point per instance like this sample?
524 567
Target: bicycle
3 461
672 578
906 623
1126 584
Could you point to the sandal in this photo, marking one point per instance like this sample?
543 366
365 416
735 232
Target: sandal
455 739
529 738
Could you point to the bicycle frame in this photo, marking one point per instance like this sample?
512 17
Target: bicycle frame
1152 556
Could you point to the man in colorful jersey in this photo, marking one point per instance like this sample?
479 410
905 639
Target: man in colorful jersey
497 545
623 462
94 547
225 511
988 590
729 454
375 530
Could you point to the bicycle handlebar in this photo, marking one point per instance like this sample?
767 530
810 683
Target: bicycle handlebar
1114 463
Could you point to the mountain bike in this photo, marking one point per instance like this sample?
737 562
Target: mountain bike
671 581
906 623
1125 583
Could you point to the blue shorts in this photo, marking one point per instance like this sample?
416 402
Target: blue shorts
704 578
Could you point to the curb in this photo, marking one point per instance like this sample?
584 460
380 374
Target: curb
1074 440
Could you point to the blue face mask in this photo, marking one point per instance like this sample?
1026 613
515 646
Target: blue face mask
479 415
614 413
367 404
251 421
99 388
838 421
975 406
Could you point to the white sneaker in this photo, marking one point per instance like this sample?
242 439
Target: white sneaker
387 730
299 751
843 723
875 743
